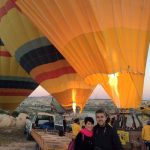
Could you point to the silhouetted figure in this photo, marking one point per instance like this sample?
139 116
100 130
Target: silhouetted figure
37 122
64 124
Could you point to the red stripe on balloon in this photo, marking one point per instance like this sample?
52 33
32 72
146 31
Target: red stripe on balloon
15 93
5 54
8 6
54 74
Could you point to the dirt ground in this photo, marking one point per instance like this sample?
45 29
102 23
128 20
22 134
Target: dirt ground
14 139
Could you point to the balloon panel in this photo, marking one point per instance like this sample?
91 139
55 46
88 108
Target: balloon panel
15 83
38 56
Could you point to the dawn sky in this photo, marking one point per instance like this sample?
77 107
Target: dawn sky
99 93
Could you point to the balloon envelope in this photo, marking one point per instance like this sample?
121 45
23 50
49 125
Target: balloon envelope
41 59
99 36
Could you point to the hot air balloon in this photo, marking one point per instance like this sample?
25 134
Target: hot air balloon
41 59
99 36
15 83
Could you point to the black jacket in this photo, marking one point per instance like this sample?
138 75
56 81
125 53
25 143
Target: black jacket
106 138
83 142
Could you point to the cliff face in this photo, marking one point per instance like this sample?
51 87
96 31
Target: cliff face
9 121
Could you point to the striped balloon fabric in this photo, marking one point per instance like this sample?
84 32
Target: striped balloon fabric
15 83
40 58
99 36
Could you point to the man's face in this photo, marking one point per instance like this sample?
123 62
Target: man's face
101 118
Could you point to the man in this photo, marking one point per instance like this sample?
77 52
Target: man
27 124
105 137
146 135
64 124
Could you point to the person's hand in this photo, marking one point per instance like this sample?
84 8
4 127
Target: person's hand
73 136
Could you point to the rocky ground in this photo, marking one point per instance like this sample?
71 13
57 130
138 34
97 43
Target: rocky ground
14 139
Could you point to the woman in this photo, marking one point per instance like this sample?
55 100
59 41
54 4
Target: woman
75 130
76 127
84 139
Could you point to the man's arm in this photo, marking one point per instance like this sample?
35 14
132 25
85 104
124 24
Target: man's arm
116 140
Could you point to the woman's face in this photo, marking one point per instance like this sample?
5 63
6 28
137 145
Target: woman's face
89 126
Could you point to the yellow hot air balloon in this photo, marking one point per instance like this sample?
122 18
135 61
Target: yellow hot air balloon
56 75
41 59
99 36
15 83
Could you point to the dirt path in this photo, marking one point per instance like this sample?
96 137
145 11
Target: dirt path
14 139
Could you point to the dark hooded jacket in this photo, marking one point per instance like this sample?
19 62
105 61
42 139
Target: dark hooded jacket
106 138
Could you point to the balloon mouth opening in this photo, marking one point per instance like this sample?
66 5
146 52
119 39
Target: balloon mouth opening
74 107
113 82
74 100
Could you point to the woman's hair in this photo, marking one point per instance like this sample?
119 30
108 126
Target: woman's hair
88 119
77 120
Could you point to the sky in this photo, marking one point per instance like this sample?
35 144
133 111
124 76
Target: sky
99 92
